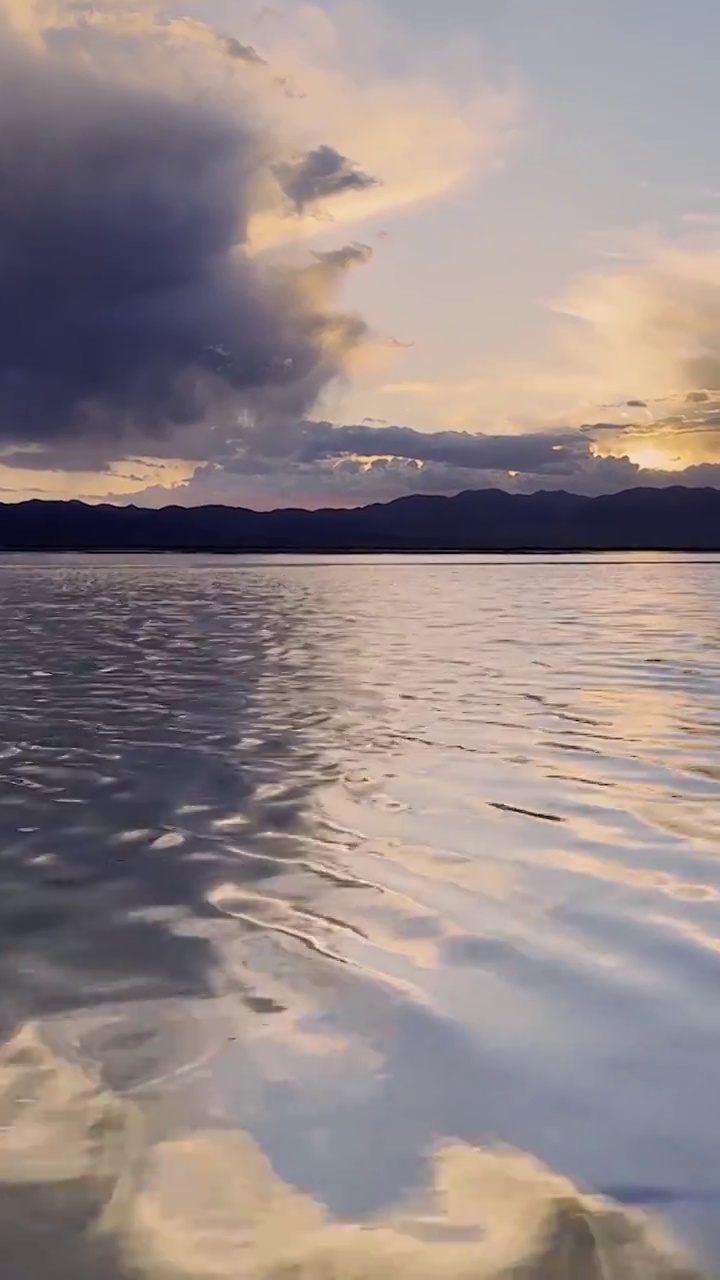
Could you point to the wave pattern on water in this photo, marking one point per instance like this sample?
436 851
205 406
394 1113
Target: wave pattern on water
343 857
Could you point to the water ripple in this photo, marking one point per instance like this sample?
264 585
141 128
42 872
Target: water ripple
357 853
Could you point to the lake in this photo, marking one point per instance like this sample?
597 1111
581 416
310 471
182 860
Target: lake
322 877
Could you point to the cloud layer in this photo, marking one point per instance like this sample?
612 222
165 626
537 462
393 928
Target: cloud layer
319 464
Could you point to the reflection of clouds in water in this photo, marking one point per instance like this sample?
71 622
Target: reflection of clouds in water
84 1191
274 829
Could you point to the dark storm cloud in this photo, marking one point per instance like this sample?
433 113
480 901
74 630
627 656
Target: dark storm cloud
309 442
318 175
128 302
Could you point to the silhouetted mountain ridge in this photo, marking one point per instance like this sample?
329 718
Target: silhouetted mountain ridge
672 519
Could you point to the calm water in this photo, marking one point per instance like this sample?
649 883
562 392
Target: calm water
326 862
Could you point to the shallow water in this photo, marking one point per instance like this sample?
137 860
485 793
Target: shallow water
334 862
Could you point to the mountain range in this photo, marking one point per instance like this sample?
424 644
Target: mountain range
667 519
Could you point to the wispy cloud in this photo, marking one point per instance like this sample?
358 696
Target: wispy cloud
415 132
639 334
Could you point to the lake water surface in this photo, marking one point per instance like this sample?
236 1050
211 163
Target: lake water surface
321 878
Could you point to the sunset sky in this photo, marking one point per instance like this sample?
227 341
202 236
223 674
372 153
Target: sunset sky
334 253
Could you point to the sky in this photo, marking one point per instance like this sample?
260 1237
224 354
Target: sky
339 252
